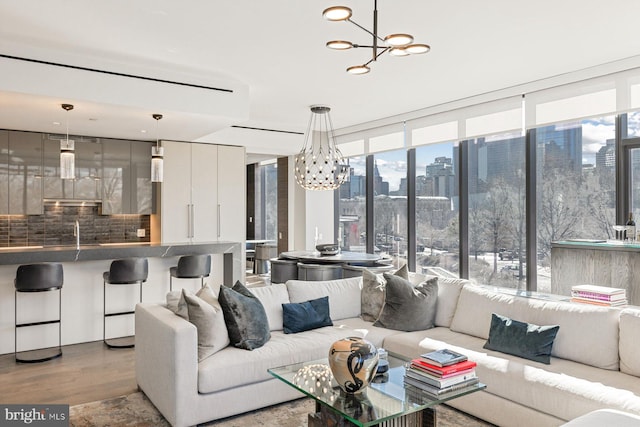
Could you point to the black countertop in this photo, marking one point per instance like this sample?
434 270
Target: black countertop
30 254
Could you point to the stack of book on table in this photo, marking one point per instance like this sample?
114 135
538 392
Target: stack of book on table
599 295
441 371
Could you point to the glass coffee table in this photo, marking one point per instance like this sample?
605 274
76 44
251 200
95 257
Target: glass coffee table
386 402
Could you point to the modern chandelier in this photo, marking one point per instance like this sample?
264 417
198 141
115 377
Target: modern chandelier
157 155
320 164
67 151
398 44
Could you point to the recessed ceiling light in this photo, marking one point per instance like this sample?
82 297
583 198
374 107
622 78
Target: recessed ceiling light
143 131
93 119
56 123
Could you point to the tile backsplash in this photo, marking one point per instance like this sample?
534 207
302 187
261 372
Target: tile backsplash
55 227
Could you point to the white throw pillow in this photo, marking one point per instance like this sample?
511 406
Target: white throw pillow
344 295
177 304
272 297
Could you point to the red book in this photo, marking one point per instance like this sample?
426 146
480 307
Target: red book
445 370
443 376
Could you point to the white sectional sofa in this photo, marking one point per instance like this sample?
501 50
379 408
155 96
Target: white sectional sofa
595 361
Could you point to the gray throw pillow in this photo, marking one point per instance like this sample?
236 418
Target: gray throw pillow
206 314
521 339
245 317
408 308
372 294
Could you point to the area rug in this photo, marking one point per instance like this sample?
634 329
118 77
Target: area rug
135 410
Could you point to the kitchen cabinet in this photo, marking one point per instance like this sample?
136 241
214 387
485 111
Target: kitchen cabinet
126 177
88 169
4 172
203 192
25 173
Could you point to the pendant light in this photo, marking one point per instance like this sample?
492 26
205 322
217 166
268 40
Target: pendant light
67 151
397 44
320 164
157 155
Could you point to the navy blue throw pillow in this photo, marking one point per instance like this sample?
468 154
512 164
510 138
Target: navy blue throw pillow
521 339
304 316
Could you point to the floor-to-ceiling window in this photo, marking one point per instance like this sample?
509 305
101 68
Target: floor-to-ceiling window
352 213
266 200
575 184
437 209
497 215
390 196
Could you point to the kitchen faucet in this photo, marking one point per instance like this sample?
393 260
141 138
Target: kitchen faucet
76 233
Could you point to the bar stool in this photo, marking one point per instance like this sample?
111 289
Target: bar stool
264 253
191 267
128 271
356 270
38 278
283 270
314 272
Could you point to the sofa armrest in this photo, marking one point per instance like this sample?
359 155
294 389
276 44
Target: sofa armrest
166 360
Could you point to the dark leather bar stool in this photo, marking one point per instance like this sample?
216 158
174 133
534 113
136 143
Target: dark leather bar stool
313 272
356 270
283 270
128 271
191 267
38 278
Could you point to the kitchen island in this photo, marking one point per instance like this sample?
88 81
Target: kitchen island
604 263
82 291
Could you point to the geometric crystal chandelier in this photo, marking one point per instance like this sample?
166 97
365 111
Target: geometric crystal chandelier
396 44
157 155
67 151
320 164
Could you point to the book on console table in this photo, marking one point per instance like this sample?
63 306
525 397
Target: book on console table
617 303
443 357
601 292
443 371
436 391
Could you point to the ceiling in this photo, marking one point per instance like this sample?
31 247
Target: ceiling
276 50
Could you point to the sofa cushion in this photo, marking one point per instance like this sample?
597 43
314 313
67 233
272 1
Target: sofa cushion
564 389
272 297
206 314
233 367
583 327
630 341
244 316
408 308
365 329
304 316
448 293
372 295
522 339
344 295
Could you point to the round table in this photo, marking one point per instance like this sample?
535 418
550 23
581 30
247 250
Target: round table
351 258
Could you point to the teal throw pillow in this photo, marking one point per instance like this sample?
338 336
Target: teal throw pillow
304 316
521 339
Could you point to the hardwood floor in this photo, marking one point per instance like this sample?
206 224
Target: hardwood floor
85 373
